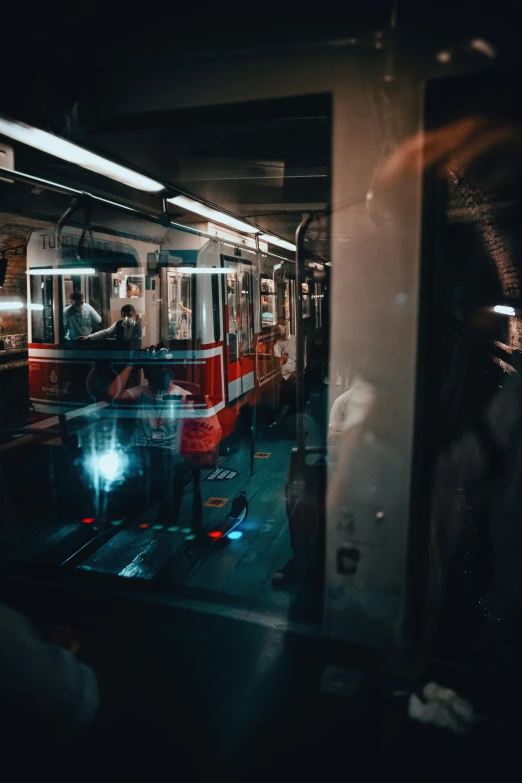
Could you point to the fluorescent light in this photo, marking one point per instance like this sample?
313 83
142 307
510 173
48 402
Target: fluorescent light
66 150
277 266
11 305
191 205
504 310
81 270
35 307
205 270
277 241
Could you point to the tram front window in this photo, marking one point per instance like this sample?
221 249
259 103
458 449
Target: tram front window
103 305
268 302
41 309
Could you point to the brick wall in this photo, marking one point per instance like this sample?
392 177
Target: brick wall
15 287
14 388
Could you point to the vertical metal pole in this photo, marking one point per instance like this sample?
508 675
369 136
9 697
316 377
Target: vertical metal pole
253 412
299 328
197 505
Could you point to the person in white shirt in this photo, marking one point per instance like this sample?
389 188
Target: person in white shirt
285 350
79 318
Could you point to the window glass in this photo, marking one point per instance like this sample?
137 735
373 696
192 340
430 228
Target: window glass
41 308
180 298
268 302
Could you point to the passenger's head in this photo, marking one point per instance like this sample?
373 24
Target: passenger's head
157 374
77 299
282 327
128 314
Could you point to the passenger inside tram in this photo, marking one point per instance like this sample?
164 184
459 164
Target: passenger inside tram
129 328
79 318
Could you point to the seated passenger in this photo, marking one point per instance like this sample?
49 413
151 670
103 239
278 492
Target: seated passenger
285 350
129 327
79 318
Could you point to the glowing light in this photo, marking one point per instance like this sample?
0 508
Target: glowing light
109 465
88 521
35 307
144 525
444 57
485 48
215 534
157 527
235 534
277 241
277 266
191 205
66 150
78 270
204 270
117 522
190 537
173 528
504 310
11 305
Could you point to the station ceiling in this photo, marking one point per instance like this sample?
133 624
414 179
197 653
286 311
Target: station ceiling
269 162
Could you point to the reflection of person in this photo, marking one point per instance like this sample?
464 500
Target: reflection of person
79 318
129 327
132 290
43 683
351 407
159 428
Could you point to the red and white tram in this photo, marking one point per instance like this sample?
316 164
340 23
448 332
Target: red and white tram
212 297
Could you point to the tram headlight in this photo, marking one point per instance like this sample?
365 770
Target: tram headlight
110 465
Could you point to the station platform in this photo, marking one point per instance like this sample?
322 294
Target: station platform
236 568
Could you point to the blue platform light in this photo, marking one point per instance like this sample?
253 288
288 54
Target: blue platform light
109 465
234 535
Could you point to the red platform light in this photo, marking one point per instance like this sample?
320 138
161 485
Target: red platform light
215 534
144 525
87 520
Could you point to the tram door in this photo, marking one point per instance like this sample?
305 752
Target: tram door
239 328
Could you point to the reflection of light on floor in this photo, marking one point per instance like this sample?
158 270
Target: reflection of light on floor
173 528
235 534
190 537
